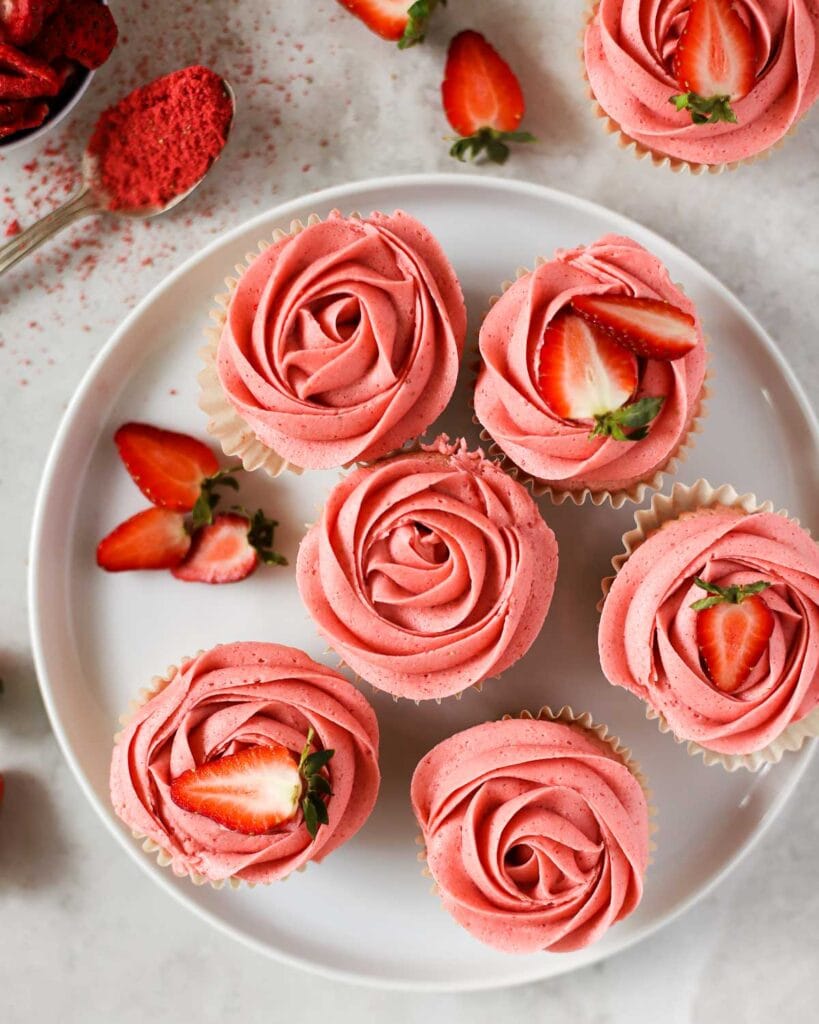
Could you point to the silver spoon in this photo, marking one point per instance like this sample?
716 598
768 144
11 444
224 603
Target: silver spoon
89 199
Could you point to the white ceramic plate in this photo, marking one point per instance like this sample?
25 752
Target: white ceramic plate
366 914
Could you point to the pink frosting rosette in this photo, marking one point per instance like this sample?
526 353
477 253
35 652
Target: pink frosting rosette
536 833
219 703
629 50
558 453
342 340
429 572
648 631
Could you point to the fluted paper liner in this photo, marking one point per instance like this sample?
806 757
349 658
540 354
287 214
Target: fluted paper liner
664 508
557 493
584 722
658 158
163 858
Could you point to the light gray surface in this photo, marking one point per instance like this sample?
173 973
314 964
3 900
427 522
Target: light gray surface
86 935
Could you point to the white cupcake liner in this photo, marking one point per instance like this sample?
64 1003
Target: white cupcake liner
558 494
684 499
658 158
581 720
150 846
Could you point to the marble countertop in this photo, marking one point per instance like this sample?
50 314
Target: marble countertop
88 937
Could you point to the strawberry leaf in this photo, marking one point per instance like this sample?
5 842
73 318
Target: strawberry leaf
316 785
418 14
635 417
260 535
209 498
705 109
490 141
735 594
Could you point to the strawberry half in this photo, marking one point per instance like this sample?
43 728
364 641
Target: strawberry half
172 470
19 115
229 549
714 63
21 20
396 20
734 627
153 539
648 327
82 30
25 77
482 99
250 792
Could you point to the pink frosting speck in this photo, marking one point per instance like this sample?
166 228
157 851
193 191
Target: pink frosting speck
648 640
218 703
629 50
536 833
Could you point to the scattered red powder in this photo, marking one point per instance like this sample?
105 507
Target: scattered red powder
161 139
13 228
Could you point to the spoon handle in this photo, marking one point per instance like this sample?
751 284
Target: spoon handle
79 205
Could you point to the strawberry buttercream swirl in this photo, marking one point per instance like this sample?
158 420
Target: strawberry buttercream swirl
429 572
536 833
509 405
343 341
648 632
225 700
629 53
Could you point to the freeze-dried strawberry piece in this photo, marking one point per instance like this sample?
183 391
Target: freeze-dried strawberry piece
22 20
25 77
84 31
19 115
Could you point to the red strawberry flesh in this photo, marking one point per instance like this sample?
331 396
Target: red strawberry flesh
21 20
82 30
582 373
153 539
250 792
169 468
387 18
732 638
716 54
25 77
219 552
648 327
480 90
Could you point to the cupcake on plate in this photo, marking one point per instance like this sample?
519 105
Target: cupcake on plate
713 621
703 84
592 373
245 763
536 830
338 343
429 572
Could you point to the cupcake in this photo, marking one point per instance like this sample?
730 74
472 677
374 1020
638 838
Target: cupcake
536 831
705 84
592 372
338 343
245 763
713 621
428 572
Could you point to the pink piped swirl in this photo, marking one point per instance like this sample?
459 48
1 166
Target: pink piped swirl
648 635
218 703
429 572
560 452
629 52
343 341
536 833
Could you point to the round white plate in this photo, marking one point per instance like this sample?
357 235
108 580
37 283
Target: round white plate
366 914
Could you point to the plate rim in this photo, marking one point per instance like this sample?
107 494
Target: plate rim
334 194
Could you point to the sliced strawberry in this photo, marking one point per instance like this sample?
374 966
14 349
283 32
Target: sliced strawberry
250 792
649 327
21 20
397 20
153 539
20 115
582 373
25 77
169 468
482 99
82 30
229 549
715 61
734 627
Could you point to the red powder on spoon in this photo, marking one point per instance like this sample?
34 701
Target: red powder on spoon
160 140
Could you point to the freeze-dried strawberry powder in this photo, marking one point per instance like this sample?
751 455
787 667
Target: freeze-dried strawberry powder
161 139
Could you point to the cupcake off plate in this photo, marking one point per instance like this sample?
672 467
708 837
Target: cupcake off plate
366 913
